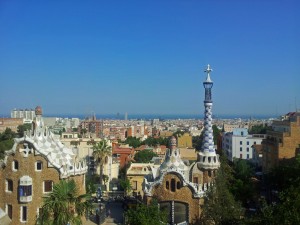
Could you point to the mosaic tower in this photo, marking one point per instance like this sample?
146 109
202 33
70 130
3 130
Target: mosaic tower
207 157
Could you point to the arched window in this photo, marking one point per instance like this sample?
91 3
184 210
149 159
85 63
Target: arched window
167 185
173 185
178 185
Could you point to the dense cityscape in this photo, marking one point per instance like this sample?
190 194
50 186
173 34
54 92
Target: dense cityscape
112 114
183 171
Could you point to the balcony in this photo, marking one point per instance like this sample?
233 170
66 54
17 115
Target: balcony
26 198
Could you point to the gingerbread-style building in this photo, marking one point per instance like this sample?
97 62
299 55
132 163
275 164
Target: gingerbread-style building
31 167
179 187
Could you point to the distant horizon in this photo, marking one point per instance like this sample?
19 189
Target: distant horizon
148 116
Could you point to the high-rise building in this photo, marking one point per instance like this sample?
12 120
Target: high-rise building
28 114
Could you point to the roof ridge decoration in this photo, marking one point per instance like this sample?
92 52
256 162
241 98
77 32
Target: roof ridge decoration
57 155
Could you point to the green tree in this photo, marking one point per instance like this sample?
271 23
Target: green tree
259 129
63 205
101 150
146 215
178 133
144 156
6 141
197 142
216 133
243 187
126 185
8 134
22 128
220 207
133 142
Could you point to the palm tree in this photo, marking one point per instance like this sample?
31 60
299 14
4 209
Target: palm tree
64 206
101 151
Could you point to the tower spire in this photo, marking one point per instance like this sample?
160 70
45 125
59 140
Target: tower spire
208 157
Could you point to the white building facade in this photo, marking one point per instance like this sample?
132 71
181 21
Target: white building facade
238 144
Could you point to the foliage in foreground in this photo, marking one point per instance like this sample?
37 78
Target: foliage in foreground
220 206
146 215
63 205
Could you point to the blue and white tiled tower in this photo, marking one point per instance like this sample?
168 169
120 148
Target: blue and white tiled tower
207 157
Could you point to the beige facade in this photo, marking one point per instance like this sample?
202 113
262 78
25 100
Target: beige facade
11 123
136 173
281 142
185 141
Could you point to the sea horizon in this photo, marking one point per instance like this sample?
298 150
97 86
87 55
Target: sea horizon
158 116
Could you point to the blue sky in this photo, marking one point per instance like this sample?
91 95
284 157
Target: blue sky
74 57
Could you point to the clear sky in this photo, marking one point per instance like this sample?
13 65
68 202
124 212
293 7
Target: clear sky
74 57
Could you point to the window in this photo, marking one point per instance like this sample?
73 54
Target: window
173 185
247 149
38 166
9 211
241 142
247 156
209 173
242 133
255 142
15 165
195 180
25 189
177 212
23 213
247 142
178 185
167 185
180 212
9 185
241 156
48 185
241 149
134 185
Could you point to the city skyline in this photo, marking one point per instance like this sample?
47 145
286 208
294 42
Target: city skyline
74 57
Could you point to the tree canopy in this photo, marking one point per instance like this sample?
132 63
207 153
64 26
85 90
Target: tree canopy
220 206
22 128
259 129
146 215
6 141
144 156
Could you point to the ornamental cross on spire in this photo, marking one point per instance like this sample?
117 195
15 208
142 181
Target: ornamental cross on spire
208 70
